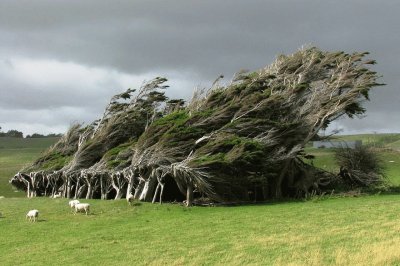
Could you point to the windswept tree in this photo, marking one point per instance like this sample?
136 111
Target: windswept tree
124 119
240 141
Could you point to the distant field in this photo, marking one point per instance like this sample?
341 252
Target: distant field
14 154
389 144
331 231
390 140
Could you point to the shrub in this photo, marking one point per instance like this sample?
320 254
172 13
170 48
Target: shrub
360 167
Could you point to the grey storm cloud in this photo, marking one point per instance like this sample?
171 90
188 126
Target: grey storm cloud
192 41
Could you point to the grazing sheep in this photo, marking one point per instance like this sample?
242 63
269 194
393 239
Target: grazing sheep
80 207
130 199
72 203
32 215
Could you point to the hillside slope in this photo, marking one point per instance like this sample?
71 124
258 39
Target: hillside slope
15 153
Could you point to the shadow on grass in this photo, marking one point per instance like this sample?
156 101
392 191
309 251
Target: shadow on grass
83 214
258 203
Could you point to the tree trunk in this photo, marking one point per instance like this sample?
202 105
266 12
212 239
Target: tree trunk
148 189
155 193
69 184
139 189
279 180
119 194
28 190
130 185
89 191
77 188
103 187
161 193
117 183
80 192
189 195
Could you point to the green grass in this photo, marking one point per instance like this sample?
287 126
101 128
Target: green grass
14 154
345 231
323 231
388 144
324 158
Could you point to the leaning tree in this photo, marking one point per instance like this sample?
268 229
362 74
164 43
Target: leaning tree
236 142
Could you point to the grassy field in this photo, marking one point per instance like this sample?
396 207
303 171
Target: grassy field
332 231
14 154
329 230
389 149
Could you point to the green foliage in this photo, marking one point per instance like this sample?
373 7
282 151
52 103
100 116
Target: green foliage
54 161
120 148
119 155
176 118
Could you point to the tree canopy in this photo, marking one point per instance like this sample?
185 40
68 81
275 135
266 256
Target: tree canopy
235 142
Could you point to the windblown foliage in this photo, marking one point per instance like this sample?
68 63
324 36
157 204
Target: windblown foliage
360 167
242 141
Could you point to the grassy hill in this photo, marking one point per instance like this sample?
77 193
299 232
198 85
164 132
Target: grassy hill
14 154
331 231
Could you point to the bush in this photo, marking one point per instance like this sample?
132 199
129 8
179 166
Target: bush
360 167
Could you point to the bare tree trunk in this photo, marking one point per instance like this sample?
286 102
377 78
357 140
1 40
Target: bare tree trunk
117 183
89 191
148 189
78 187
129 176
161 193
139 189
33 176
155 193
80 192
68 192
189 195
29 190
103 186
53 191
119 194
160 179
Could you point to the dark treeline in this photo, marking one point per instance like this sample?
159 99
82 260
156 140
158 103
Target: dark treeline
37 135
13 133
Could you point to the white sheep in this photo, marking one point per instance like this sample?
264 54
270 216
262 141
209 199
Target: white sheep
72 203
80 207
32 215
130 199
57 196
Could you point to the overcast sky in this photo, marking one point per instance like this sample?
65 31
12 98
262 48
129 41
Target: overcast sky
61 61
